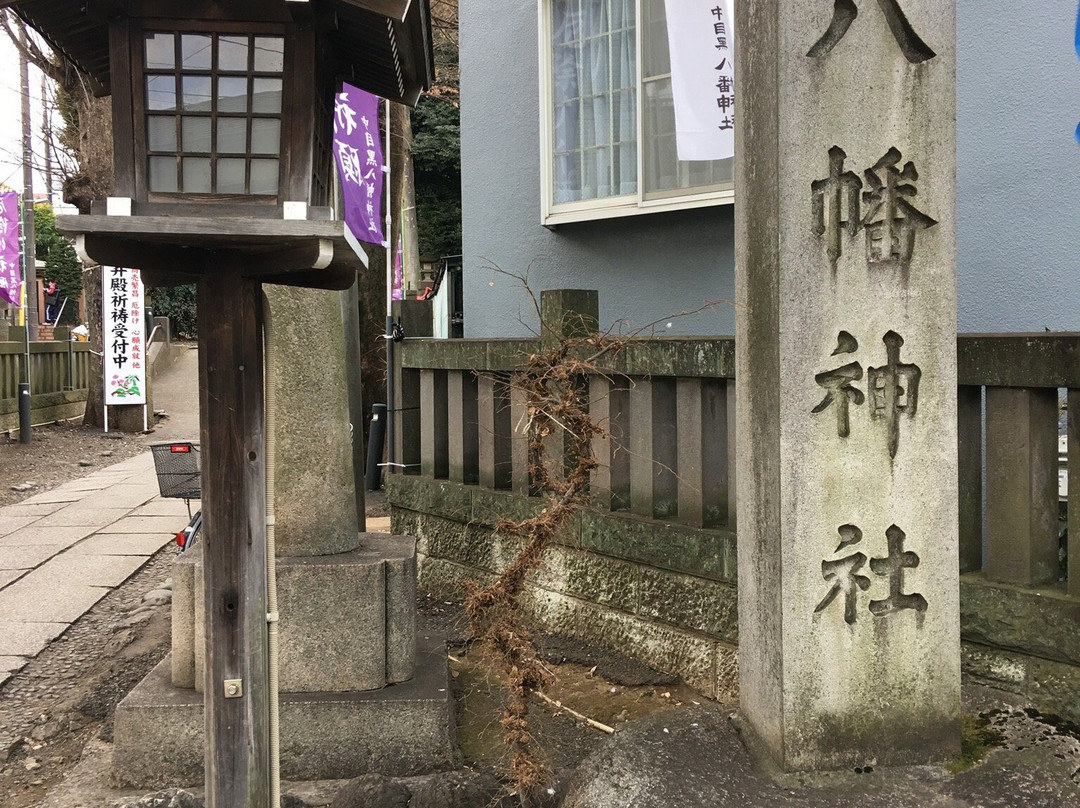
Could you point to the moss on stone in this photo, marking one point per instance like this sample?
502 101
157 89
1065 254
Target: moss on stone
976 740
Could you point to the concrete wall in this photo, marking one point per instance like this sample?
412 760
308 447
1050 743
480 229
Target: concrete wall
665 594
1018 87
649 267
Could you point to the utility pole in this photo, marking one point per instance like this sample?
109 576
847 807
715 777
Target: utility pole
46 132
29 255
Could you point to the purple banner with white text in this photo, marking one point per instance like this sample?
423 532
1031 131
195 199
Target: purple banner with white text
359 157
10 265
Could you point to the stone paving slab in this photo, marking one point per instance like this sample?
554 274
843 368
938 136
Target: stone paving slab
53 496
82 514
123 543
167 507
27 557
9 666
92 483
9 576
34 535
116 471
9 524
95 570
378 524
141 462
37 598
144 524
27 639
31 509
57 560
125 496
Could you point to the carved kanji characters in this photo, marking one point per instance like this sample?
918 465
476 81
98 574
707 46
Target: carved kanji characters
915 50
837 195
892 567
843 573
894 389
891 220
843 576
839 384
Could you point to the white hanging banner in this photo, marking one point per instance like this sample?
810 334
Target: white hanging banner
701 40
123 336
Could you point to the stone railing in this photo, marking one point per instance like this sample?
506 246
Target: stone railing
1020 611
60 374
650 568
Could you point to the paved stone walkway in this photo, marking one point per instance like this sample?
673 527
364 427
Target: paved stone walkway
62 550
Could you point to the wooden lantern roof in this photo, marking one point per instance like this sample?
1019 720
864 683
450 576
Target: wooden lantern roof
382 46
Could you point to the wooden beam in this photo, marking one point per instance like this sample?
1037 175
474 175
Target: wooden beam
223 231
394 9
171 265
234 512
160 279
161 258
337 278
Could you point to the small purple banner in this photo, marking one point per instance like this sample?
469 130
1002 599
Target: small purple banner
397 288
358 153
10 266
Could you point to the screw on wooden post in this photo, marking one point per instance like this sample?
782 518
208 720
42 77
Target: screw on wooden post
234 514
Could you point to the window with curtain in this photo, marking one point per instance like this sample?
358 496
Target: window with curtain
611 125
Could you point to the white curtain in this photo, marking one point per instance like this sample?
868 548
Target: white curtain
594 76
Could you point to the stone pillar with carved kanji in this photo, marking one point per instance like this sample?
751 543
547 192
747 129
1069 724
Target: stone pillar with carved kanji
849 646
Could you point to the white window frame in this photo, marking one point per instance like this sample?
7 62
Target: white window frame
611 207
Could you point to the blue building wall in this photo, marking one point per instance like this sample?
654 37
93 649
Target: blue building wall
1018 165
1018 91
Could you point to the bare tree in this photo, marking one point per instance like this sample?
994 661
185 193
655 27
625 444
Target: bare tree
86 137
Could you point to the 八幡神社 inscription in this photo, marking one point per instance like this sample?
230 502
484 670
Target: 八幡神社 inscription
893 388
890 220
844 576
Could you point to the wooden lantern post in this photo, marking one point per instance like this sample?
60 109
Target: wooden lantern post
234 512
222 129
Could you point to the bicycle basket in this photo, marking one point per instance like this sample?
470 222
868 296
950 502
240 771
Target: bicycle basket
177 467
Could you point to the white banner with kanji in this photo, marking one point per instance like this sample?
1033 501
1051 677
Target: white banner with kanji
701 39
123 337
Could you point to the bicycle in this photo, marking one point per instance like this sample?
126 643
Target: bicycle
178 473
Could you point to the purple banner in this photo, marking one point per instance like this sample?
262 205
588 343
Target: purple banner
358 153
10 268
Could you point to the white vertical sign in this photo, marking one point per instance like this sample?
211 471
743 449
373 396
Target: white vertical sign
701 40
123 336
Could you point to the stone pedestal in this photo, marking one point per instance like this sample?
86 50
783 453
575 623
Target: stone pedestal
356 697
360 690
348 622
845 241
400 731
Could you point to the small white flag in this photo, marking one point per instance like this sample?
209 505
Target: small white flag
701 40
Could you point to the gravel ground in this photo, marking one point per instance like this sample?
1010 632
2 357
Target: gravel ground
66 695
60 453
